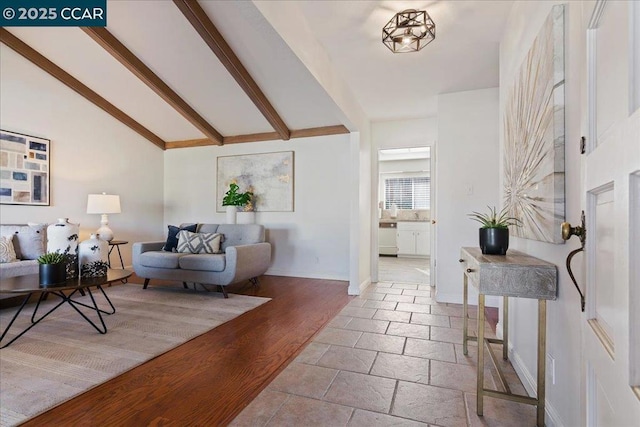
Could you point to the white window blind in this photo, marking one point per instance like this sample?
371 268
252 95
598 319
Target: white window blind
407 193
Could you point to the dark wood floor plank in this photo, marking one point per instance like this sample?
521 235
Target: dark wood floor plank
210 379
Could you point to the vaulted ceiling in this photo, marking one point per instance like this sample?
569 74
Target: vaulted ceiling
187 73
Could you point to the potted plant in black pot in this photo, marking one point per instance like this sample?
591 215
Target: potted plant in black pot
494 233
52 268
232 200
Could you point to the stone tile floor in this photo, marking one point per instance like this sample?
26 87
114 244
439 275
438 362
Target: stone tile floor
392 357
407 270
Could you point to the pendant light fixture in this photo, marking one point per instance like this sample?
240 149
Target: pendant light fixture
409 31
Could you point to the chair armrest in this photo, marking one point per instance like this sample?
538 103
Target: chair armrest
247 261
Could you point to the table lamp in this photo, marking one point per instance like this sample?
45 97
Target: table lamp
104 204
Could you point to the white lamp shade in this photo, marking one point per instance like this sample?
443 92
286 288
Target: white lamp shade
103 204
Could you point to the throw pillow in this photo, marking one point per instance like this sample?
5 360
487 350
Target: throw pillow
7 252
172 237
199 243
29 241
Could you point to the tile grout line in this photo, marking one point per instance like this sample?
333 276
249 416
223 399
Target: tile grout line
393 397
279 407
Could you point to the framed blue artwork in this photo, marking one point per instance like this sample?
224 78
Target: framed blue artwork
24 169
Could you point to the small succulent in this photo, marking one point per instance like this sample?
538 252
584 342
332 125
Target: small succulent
495 219
52 258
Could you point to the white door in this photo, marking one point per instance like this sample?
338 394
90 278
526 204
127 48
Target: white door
610 329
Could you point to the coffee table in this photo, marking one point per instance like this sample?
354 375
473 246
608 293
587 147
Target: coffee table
30 284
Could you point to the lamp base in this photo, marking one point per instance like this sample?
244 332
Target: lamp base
104 232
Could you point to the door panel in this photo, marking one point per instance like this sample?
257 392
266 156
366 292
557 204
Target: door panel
613 156
612 45
603 247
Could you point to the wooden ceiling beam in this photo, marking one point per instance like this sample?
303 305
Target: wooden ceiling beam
212 37
265 136
111 44
39 60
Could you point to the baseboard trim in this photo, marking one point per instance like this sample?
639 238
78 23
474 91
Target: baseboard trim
552 417
305 274
363 285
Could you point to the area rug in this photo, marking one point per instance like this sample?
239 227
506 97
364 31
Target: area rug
63 356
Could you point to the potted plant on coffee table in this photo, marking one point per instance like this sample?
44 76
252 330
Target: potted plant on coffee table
494 233
52 268
233 200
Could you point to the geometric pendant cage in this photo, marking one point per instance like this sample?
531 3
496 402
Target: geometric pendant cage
409 31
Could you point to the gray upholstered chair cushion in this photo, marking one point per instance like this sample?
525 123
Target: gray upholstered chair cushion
160 259
29 241
203 262
241 234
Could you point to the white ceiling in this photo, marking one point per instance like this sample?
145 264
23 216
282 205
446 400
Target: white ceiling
464 55
387 86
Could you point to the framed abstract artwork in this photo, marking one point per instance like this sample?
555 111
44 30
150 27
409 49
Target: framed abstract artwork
534 134
268 176
24 169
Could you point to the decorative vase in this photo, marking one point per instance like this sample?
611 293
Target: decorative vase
62 237
246 217
94 257
52 274
494 241
232 211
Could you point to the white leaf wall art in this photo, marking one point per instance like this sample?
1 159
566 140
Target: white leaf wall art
534 135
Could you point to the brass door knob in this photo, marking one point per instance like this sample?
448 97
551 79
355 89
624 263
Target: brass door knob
433 221
579 230
470 270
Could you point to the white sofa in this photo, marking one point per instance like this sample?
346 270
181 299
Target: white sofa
29 242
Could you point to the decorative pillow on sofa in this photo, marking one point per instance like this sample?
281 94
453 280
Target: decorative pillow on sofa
199 243
172 236
7 253
29 241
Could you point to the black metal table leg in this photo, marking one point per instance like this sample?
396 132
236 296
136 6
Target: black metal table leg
64 298
73 304
15 316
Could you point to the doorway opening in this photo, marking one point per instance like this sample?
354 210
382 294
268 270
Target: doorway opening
404 215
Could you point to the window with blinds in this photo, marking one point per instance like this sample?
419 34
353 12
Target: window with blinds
407 193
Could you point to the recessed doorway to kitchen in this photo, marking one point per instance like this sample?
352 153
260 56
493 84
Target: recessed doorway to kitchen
404 215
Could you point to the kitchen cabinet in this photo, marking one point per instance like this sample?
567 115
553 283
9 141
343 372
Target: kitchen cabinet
413 239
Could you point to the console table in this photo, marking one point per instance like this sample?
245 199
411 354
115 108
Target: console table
513 275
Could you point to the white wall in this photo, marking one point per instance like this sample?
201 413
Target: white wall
312 241
468 162
563 315
91 152
289 21
361 217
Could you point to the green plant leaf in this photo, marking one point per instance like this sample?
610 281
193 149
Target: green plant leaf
495 219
